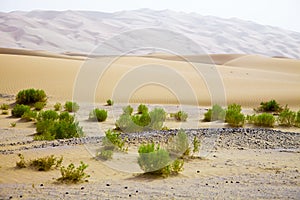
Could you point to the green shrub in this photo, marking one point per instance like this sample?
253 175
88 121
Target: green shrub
270 106
29 115
110 102
234 117
71 106
19 110
196 145
127 110
177 166
4 106
181 116
264 119
97 114
142 120
125 124
45 163
47 115
72 174
179 145
21 163
31 96
142 109
57 106
297 120
287 117
13 124
113 139
158 117
105 154
39 105
214 114
4 112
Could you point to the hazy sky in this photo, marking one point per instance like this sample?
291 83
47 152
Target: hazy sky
281 13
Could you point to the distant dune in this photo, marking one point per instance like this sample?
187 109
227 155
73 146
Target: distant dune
82 31
247 79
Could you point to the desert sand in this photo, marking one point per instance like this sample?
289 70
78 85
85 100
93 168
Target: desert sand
251 172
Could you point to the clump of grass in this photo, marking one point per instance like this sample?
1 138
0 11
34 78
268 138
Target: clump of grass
97 114
31 96
287 117
179 145
4 106
142 109
270 106
214 114
234 117
39 105
13 124
71 106
57 106
21 163
264 119
40 164
29 115
110 102
105 154
73 174
181 116
19 110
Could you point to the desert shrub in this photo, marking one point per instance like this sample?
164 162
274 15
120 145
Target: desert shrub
72 174
110 102
196 145
214 114
128 110
113 139
71 106
39 105
142 120
4 112
142 109
4 106
105 154
270 106
21 163
264 119
29 115
19 110
46 163
158 117
234 117
287 117
53 126
155 160
13 124
181 116
297 120
125 124
57 106
97 114
179 145
31 96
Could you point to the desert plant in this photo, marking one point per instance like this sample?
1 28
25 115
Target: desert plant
31 96
72 174
4 106
47 115
264 119
39 105
4 112
110 102
158 117
233 116
97 114
142 109
21 163
13 124
179 145
287 117
142 120
297 119
105 154
71 106
181 116
214 114
29 115
114 139
57 106
270 106
46 163
196 145
177 166
19 110
125 124
127 110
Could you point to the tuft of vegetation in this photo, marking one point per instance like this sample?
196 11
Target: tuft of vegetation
113 140
142 109
31 96
181 116
39 105
128 110
29 115
158 117
13 124
4 106
105 154
214 114
21 163
287 117
71 106
179 145
97 114
297 120
110 102
46 163
4 112
270 106
264 119
19 110
196 145
57 106
52 126
73 174
155 160
234 117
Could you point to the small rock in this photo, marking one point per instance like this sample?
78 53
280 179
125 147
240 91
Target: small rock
136 191
82 188
198 171
107 184
41 184
126 187
67 192
129 195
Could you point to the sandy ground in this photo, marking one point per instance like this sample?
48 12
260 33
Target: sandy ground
222 174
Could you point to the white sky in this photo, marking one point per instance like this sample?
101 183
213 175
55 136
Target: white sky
280 13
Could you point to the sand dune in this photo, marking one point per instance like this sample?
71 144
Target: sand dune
247 80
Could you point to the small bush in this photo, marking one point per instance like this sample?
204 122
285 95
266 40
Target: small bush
29 115
13 124
46 163
4 106
158 117
297 120
39 105
214 114
264 119
110 102
196 145
179 146
105 154
128 110
142 120
177 166
113 139
31 96
142 109
4 112
57 106
234 117
47 115
19 110
287 117
125 124
71 106
21 163
270 106
72 174
97 114
181 116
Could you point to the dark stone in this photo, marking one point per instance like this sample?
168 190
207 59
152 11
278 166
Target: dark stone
82 188
126 187
42 185
107 184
